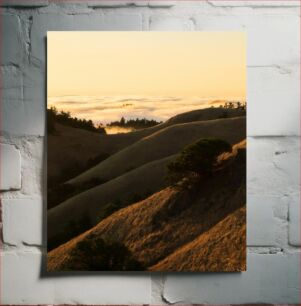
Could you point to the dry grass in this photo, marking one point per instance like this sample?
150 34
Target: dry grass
221 248
152 154
206 114
142 181
175 221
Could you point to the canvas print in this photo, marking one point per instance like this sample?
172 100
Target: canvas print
146 155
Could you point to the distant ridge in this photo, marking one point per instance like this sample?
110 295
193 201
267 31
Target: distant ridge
71 147
162 143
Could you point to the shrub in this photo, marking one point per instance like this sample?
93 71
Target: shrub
197 159
98 254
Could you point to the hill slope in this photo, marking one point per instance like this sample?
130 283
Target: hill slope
91 204
72 147
163 143
160 225
206 114
208 252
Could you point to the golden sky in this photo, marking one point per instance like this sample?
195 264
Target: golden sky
186 64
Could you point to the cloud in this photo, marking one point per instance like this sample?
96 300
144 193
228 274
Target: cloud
105 109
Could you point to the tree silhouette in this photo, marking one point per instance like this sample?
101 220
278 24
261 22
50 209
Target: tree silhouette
65 118
197 159
134 123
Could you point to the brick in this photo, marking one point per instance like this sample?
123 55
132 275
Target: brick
165 23
23 102
273 166
33 166
24 3
92 22
268 35
108 4
11 84
141 3
22 221
294 220
12 46
269 279
12 99
10 167
160 3
23 282
250 3
273 88
34 100
260 213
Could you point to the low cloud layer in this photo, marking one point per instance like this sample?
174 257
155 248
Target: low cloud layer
107 109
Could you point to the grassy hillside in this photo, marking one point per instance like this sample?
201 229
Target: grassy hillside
208 252
70 150
88 208
165 142
206 114
175 220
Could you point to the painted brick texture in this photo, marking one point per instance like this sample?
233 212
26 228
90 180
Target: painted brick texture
273 199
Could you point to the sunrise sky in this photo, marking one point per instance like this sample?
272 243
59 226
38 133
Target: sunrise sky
97 74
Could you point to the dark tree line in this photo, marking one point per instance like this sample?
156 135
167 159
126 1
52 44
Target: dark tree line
134 123
53 116
234 105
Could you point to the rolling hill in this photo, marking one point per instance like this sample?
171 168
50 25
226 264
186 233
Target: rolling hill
208 252
71 148
206 114
89 207
175 222
167 141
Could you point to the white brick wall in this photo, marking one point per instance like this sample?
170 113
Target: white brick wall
25 284
24 3
294 220
273 151
270 279
10 172
26 214
13 47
